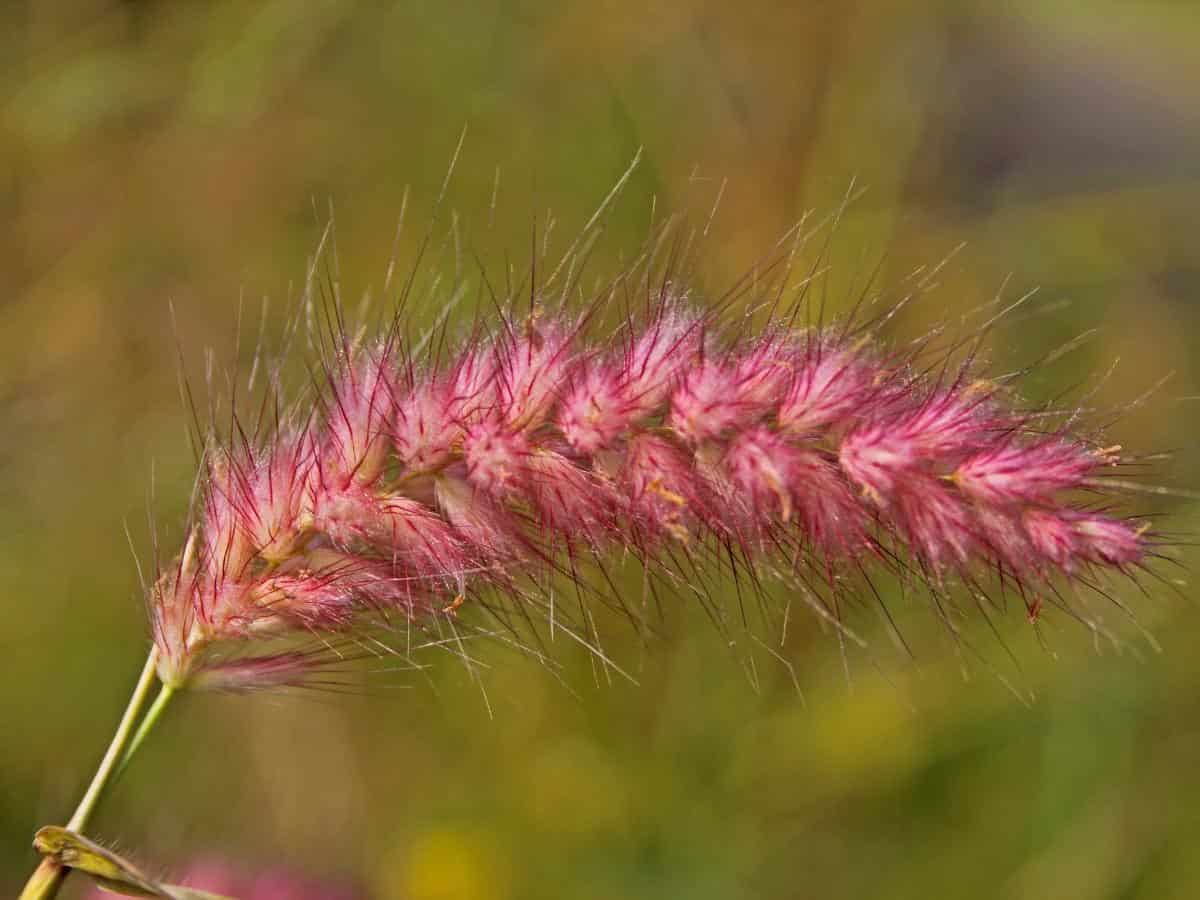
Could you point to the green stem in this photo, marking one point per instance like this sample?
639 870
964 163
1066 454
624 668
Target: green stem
49 876
153 714
116 750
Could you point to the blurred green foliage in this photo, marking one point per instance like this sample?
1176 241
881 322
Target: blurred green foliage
188 153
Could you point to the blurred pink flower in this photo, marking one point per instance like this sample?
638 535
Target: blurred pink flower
274 883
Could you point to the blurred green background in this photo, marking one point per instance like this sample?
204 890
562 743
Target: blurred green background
187 153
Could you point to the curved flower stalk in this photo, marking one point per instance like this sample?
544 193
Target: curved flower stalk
414 481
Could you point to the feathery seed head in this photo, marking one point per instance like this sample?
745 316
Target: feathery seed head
360 415
420 483
667 493
528 372
623 390
1025 472
489 528
713 400
827 384
780 482
496 458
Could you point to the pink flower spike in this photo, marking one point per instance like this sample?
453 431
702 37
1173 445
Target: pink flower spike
259 673
329 590
1066 538
360 414
788 451
431 414
612 395
1052 538
570 503
595 412
881 454
828 386
665 491
707 403
227 549
564 497
529 372
764 371
395 528
1024 473
948 422
426 426
875 462
720 397
1109 542
496 458
492 530
256 504
1004 540
783 483
934 522
277 498
669 346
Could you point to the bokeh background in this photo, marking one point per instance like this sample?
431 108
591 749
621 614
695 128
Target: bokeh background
188 153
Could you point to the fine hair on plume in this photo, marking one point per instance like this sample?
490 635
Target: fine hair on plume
502 474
